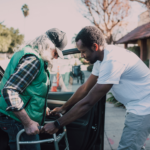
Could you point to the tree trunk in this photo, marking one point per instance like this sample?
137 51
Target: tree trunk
109 38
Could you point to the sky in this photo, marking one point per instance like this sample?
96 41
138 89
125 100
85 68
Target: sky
47 14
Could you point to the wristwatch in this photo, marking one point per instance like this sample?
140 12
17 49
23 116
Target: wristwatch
57 124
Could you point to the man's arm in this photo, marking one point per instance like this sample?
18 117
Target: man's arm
30 126
80 108
24 74
81 92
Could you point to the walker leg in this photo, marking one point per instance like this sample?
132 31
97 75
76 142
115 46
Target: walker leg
55 142
66 141
18 146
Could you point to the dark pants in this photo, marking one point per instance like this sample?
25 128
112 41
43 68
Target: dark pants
12 127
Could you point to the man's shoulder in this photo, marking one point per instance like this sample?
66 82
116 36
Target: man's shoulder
116 53
114 48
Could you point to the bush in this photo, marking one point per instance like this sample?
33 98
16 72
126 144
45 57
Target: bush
84 61
135 49
112 99
146 63
89 68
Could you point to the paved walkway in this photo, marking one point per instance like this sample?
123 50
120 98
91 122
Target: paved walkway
114 124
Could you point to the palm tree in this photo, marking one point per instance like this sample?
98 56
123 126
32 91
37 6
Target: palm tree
25 10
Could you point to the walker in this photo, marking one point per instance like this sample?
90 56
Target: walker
55 139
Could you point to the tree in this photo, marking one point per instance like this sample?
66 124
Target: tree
1 22
17 40
73 39
106 15
25 10
5 38
73 42
10 39
145 3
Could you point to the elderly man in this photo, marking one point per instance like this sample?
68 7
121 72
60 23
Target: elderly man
121 71
25 85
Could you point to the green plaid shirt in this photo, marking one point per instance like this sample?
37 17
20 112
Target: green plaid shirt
24 74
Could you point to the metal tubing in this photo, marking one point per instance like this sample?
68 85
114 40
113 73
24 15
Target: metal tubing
61 135
29 142
55 142
55 139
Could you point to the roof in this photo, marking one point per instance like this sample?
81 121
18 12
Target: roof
140 32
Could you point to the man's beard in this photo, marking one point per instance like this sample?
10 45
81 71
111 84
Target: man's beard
92 61
46 56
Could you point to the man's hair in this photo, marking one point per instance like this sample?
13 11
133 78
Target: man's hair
42 45
89 35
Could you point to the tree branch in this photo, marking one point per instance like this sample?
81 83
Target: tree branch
139 1
100 4
115 23
95 24
114 5
106 14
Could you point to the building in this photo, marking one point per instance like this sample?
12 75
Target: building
139 36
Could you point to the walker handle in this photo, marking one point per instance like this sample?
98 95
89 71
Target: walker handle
39 127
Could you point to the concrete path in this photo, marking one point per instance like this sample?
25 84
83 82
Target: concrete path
114 124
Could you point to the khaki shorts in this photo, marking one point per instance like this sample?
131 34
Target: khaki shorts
135 132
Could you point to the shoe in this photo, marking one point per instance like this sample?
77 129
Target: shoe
143 148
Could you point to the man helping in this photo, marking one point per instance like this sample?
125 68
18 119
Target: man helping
121 71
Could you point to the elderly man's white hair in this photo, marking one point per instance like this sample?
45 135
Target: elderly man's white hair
43 45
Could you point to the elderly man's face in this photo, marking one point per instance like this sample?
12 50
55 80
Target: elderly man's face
54 54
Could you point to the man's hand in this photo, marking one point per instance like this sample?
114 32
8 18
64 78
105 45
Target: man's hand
49 128
57 110
47 111
81 92
32 128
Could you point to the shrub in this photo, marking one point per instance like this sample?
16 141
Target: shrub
136 50
89 68
84 61
112 99
146 63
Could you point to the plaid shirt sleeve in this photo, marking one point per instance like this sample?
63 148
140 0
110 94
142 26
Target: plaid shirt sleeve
24 74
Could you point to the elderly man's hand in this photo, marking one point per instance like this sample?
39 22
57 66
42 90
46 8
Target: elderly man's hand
47 111
32 128
57 110
49 128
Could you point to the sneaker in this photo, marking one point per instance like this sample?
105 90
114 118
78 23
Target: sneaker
143 148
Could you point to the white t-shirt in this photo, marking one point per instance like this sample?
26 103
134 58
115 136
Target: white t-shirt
130 78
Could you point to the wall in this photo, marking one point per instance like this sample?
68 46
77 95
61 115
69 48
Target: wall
143 49
148 50
139 43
